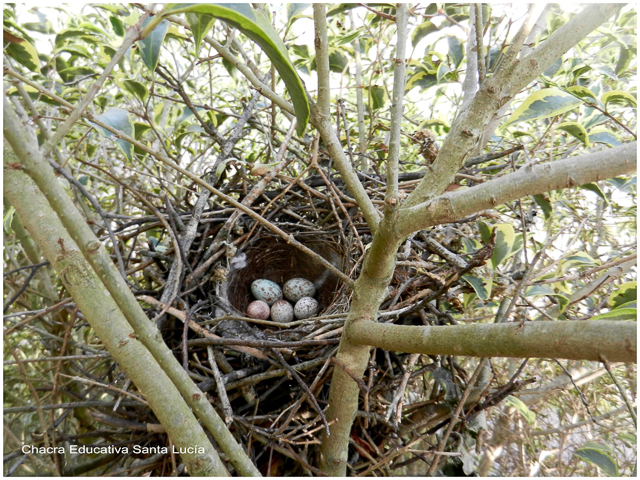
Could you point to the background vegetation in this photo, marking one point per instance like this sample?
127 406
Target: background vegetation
159 126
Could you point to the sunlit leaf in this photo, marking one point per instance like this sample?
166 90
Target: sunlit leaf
618 314
149 48
255 26
522 409
23 52
576 130
200 24
421 31
443 69
627 292
8 219
619 97
544 103
505 237
582 92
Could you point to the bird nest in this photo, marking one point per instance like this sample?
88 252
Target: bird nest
272 258
270 381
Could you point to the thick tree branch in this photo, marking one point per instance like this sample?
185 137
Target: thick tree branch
105 317
468 128
96 255
529 180
591 340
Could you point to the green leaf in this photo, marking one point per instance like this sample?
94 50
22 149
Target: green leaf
443 69
618 314
520 406
346 38
378 96
582 92
576 130
623 60
24 53
337 60
74 71
553 68
200 24
481 286
75 34
255 26
140 129
8 219
505 237
545 103
539 290
78 50
580 259
421 79
620 97
627 292
456 50
119 119
603 135
421 31
117 25
485 231
294 11
545 205
599 455
340 8
149 48
136 88
593 187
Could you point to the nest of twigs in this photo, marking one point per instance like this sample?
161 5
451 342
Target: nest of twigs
271 381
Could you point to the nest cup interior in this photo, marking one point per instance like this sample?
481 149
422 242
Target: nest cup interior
274 259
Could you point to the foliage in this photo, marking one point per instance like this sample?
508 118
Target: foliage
175 92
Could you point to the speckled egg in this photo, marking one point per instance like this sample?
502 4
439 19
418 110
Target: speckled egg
258 309
296 288
266 290
281 311
306 307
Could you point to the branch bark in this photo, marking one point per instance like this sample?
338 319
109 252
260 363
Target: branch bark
529 180
321 119
468 128
95 254
106 319
592 340
391 199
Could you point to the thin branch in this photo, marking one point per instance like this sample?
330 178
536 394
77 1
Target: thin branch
632 412
479 30
391 200
132 35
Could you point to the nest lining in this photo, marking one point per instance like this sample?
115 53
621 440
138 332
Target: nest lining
274 259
